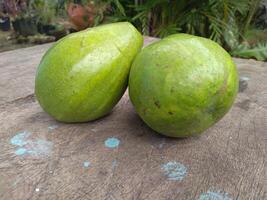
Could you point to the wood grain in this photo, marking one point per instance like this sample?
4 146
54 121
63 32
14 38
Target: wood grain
229 158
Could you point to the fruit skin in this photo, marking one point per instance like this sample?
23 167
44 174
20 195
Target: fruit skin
84 75
182 85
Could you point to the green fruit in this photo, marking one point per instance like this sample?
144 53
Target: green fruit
84 75
182 84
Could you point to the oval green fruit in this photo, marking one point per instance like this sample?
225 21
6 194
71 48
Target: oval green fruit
182 84
84 75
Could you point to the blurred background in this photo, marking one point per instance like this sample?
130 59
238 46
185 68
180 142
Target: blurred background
240 26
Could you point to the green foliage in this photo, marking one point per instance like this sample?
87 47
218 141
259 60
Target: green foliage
44 9
260 18
208 18
119 6
224 21
258 52
255 36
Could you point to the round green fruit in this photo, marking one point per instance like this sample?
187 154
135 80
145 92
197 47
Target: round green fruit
84 75
182 85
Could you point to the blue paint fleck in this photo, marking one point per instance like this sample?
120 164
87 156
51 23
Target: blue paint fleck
52 127
174 170
40 147
210 195
20 151
86 164
112 142
114 164
20 138
27 146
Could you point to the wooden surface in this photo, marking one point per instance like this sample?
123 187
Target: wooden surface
71 161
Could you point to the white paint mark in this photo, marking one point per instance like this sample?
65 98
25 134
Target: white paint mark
114 164
53 127
244 78
94 130
86 164
211 195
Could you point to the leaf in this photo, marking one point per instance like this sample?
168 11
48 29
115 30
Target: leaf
119 6
220 20
231 34
259 52
167 30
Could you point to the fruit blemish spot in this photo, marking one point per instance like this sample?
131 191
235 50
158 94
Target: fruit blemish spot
157 104
175 171
214 196
112 142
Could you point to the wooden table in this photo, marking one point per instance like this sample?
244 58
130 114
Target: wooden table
44 159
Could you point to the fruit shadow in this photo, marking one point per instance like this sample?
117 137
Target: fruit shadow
135 123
